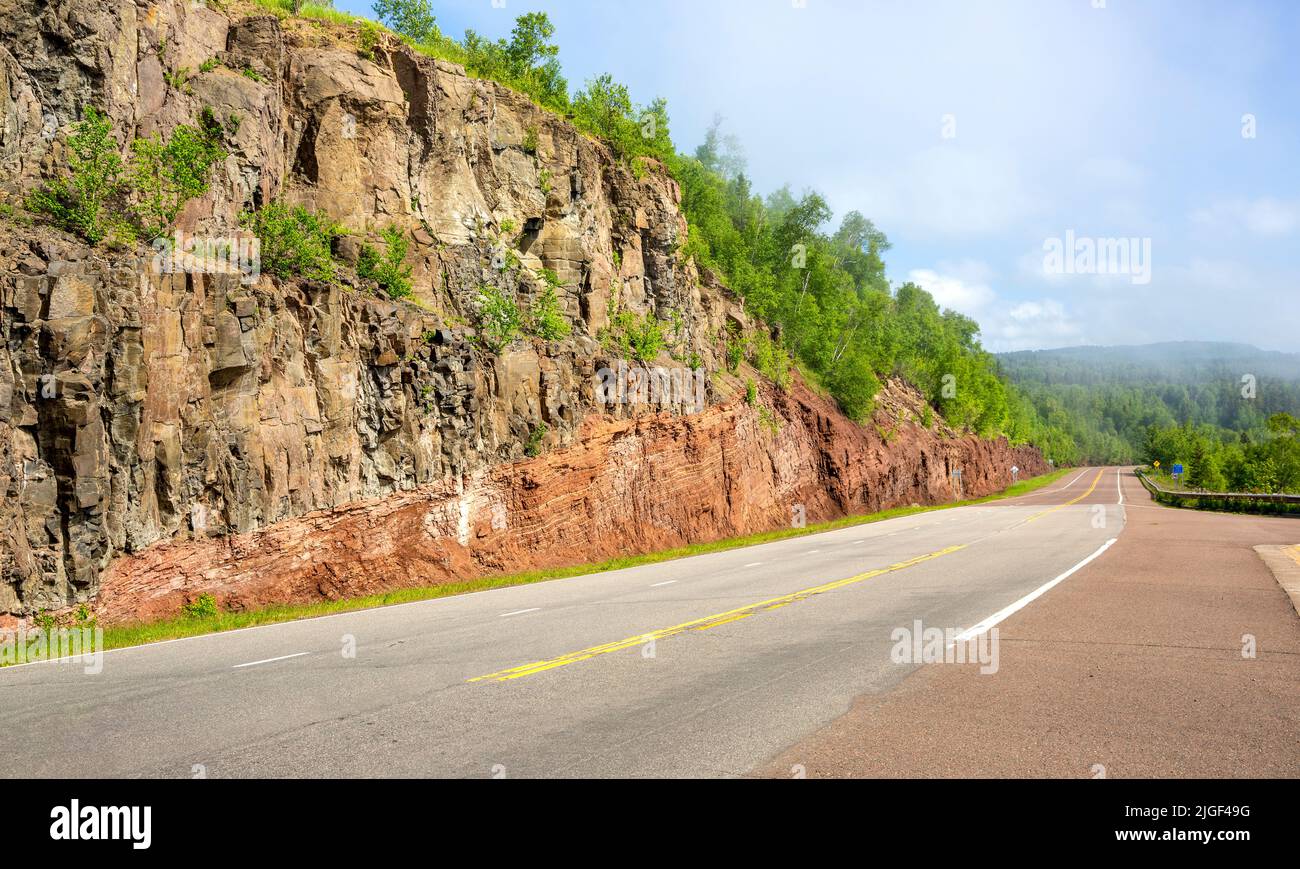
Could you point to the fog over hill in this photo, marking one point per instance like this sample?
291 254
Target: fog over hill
1109 397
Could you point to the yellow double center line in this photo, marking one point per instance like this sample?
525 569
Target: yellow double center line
705 623
1091 489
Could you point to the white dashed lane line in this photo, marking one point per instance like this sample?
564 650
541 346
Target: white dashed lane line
269 660
521 612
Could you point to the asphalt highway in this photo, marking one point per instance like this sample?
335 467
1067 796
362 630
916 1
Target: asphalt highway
702 667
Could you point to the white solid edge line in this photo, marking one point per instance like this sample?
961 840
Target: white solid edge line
661 584
521 612
1034 595
1119 484
269 660
755 564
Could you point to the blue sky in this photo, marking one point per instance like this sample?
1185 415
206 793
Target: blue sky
973 132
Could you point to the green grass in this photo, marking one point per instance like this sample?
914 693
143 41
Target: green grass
192 626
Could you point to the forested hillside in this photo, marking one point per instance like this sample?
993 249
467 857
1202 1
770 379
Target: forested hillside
1221 409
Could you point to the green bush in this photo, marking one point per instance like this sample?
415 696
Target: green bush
203 607
102 196
638 337
533 446
368 40
388 270
499 319
164 175
770 358
76 203
295 242
545 317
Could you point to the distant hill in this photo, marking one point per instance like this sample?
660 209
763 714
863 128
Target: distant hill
1173 362
1108 397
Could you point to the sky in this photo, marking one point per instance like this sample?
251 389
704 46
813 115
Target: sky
996 141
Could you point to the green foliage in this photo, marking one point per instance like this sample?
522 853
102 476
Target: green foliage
751 392
734 352
1219 460
389 269
167 174
180 79
604 108
295 242
546 316
770 358
368 37
1108 398
533 446
530 140
146 195
528 62
500 319
250 73
640 337
413 19
76 202
203 607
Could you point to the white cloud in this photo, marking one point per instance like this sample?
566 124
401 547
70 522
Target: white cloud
951 291
1265 216
1004 324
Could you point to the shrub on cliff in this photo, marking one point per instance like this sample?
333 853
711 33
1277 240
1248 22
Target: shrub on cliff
529 62
499 319
76 202
389 269
102 196
545 316
165 174
295 242
640 337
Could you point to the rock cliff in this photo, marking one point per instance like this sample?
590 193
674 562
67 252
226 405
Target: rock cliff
167 434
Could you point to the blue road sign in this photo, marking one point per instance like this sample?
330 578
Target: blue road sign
1178 470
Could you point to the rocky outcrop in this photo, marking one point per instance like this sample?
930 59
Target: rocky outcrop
168 434
627 486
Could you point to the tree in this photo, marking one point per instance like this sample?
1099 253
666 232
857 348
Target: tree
413 19
76 202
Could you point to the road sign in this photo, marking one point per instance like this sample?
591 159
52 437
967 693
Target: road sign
1157 463
1178 469
1015 471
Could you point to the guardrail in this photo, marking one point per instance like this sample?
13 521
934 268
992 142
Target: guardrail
1237 502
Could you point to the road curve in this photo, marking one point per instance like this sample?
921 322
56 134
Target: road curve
1175 655
706 666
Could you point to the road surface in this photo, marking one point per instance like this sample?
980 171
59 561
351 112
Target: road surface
708 666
